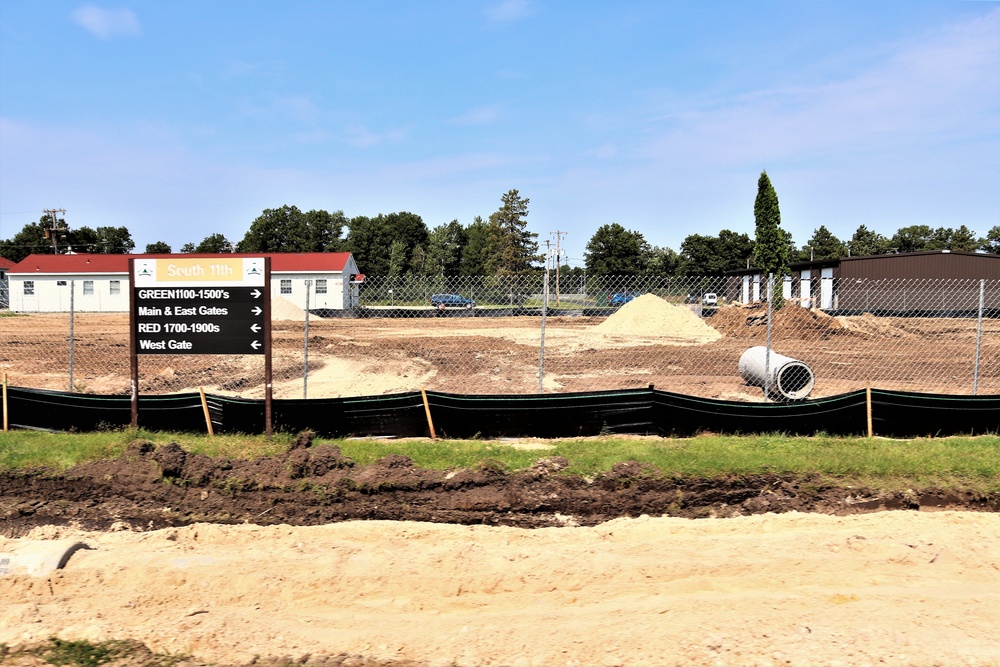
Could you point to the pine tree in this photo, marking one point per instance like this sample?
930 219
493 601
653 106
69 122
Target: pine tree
512 249
770 251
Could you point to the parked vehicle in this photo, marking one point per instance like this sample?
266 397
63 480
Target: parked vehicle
443 301
710 299
621 298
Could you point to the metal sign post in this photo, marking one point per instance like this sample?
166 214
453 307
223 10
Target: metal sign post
204 305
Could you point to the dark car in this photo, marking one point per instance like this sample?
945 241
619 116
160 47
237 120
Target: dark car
621 298
442 301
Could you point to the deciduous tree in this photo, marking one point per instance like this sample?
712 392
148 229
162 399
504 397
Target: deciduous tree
34 239
444 249
372 239
287 229
614 250
158 247
215 243
662 261
476 247
703 255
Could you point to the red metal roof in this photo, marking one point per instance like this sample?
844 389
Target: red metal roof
281 262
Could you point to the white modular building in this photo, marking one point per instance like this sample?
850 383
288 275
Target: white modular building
100 283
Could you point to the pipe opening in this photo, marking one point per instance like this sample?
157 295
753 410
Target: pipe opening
784 378
795 380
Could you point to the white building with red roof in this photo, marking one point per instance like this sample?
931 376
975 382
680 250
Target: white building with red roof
100 283
5 266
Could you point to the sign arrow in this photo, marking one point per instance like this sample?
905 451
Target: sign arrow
256 310
255 294
255 327
255 345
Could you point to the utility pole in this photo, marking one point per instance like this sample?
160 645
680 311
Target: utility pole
53 232
558 236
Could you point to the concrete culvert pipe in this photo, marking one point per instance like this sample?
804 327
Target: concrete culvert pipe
787 379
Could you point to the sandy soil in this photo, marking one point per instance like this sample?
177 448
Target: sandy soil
892 588
306 558
645 342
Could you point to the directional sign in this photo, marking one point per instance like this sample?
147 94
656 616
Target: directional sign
200 305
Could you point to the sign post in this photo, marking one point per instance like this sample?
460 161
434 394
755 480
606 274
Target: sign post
200 305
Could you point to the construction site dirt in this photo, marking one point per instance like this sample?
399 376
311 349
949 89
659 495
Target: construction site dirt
307 558
676 351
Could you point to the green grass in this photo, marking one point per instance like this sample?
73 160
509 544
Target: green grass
84 653
967 463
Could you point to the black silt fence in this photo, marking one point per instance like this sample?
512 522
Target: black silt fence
629 411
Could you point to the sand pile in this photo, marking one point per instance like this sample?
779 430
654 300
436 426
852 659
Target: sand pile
649 315
283 309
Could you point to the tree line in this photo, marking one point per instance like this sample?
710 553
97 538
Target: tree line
401 243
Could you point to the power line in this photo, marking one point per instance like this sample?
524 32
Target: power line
53 232
558 234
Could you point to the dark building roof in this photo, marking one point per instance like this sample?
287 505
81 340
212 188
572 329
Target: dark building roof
926 264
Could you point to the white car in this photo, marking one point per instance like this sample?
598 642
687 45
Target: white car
710 299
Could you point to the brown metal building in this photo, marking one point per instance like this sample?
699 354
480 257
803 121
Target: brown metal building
938 282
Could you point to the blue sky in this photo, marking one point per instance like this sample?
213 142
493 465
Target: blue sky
181 119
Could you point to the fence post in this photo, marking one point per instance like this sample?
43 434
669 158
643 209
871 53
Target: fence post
72 316
305 354
979 336
770 315
541 348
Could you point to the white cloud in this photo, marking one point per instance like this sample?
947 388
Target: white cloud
510 10
107 23
360 136
478 116
938 89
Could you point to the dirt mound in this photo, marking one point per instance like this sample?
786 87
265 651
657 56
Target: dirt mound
790 322
869 325
649 315
159 487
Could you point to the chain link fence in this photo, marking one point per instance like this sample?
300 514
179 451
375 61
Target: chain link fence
520 335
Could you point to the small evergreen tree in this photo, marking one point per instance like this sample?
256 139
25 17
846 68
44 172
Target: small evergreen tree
770 251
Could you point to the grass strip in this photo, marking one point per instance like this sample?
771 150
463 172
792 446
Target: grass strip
966 463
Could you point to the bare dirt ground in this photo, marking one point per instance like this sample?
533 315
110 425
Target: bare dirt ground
306 558
645 342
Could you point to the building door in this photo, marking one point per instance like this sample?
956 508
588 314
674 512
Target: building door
826 289
805 293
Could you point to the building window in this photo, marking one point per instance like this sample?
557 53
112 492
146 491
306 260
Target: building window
88 287
321 286
29 288
286 286
61 283
116 286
